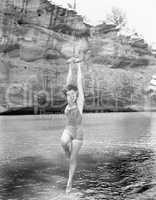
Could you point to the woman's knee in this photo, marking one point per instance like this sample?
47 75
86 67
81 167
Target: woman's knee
65 139
64 142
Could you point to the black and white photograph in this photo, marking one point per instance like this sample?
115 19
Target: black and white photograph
77 100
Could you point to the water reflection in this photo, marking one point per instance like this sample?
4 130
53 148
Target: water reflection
124 168
29 178
118 176
112 176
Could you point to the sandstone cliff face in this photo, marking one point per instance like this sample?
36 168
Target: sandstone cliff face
36 40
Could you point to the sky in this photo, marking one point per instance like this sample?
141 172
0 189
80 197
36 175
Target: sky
141 14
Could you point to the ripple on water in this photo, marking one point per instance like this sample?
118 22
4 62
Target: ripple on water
112 175
120 177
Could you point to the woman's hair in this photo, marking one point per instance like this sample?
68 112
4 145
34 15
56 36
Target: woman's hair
69 87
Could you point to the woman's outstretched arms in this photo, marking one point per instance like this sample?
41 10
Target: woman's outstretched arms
69 76
80 100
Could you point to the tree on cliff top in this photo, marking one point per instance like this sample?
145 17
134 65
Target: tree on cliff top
117 17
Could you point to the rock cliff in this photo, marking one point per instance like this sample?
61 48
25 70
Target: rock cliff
36 39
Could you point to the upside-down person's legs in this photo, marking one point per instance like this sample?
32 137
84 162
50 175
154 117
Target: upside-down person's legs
66 143
76 146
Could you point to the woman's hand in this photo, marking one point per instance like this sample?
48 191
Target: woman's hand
74 60
70 60
78 60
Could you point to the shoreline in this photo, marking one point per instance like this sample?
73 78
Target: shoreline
49 115
57 112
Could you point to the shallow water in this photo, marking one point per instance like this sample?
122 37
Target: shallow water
117 160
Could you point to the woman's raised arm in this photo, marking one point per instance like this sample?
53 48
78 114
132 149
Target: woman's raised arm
80 100
69 76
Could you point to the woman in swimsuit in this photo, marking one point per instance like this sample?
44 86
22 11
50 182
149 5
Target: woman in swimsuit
72 137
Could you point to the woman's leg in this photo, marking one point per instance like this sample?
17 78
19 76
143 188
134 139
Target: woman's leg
76 146
66 143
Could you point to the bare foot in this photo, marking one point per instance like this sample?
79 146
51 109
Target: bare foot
68 188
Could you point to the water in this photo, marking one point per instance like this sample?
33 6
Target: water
117 160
